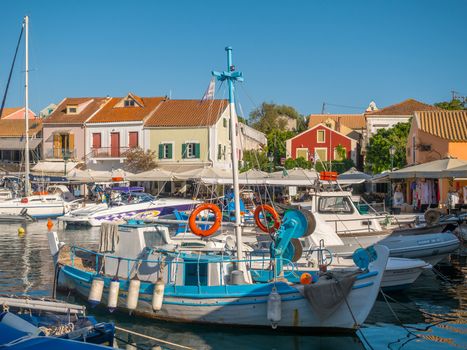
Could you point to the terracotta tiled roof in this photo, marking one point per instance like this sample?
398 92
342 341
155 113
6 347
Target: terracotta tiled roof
352 121
405 108
449 125
7 111
111 114
15 127
187 113
59 115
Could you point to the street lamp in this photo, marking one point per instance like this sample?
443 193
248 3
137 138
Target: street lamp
271 159
392 151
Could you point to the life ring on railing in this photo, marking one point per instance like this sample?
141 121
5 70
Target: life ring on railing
267 209
217 220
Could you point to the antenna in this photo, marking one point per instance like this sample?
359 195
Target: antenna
323 108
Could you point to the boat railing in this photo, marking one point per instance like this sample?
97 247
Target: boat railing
367 221
265 262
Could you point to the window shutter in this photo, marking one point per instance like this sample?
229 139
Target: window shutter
183 150
71 144
219 151
170 150
161 151
197 152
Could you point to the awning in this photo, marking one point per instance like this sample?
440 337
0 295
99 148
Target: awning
458 173
18 143
49 167
292 177
156 174
432 170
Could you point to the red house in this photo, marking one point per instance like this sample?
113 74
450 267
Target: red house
320 141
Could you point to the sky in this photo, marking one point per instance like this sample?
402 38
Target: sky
298 53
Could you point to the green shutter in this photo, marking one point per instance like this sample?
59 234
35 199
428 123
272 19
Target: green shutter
219 151
161 151
184 150
170 150
197 153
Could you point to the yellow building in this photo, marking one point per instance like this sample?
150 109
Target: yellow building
190 134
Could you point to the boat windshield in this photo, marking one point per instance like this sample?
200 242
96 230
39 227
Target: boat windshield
334 205
132 198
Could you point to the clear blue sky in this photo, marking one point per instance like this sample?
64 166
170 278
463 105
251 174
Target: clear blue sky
298 53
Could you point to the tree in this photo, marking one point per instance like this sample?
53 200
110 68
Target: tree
137 160
378 158
276 144
454 104
253 159
267 117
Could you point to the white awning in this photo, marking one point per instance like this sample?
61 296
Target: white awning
53 168
435 169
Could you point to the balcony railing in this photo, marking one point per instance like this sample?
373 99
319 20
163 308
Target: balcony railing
108 152
60 153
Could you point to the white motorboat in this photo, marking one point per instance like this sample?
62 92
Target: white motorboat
336 212
38 206
141 206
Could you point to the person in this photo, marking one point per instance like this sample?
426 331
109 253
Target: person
397 199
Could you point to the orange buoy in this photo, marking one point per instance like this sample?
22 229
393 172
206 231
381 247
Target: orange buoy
50 225
217 219
306 278
269 212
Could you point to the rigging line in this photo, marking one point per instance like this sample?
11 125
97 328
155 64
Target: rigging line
11 71
344 106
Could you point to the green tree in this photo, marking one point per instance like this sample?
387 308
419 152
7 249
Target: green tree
253 159
267 117
277 144
454 104
378 158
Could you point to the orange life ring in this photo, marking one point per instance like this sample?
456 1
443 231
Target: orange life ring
267 209
217 221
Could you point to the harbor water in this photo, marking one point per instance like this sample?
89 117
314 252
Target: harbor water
432 314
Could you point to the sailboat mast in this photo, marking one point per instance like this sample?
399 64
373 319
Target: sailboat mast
26 108
233 140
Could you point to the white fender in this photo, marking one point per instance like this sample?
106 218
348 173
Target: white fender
133 294
274 308
158 295
113 294
97 288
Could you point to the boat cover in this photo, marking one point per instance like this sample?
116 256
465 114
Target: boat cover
326 295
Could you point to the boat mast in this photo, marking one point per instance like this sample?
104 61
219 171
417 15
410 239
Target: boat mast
26 110
231 75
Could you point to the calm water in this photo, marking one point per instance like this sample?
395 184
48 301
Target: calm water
26 267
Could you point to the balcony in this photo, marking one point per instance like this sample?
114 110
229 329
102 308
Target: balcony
60 153
108 152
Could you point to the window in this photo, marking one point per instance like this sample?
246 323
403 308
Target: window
321 154
219 152
320 136
129 103
190 150
224 122
301 152
71 109
133 139
338 156
165 151
96 140
335 205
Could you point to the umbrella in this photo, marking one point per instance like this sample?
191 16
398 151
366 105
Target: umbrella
292 177
353 176
457 172
156 174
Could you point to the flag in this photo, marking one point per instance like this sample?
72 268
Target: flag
209 94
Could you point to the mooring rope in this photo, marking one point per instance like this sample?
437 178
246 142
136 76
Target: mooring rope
153 338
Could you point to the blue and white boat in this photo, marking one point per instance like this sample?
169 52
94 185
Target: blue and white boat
25 319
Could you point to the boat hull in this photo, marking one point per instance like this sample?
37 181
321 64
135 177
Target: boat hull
117 214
